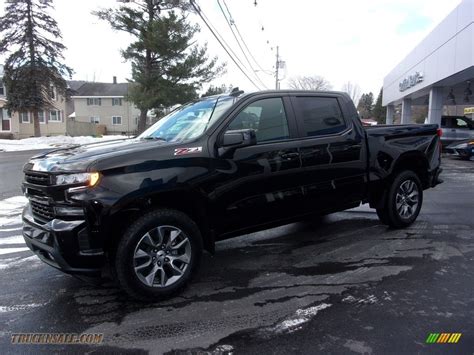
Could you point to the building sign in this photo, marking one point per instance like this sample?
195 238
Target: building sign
410 81
469 110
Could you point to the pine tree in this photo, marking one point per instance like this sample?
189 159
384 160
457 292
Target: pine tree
34 64
365 105
167 67
380 111
217 90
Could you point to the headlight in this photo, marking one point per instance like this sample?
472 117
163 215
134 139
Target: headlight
89 179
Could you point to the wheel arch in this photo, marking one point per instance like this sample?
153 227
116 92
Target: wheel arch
189 202
414 161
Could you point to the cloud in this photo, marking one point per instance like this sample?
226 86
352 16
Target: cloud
342 40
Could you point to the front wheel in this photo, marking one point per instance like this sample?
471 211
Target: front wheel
404 200
158 255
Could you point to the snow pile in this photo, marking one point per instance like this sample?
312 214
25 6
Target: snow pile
8 145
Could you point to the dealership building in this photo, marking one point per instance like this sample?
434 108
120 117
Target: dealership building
437 73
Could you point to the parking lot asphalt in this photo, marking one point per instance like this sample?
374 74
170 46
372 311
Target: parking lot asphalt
344 283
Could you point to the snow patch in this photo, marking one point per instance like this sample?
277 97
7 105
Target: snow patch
226 349
20 307
16 239
371 299
300 317
10 263
12 206
9 145
5 251
10 211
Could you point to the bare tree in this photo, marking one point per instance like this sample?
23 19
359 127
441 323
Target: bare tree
314 82
353 90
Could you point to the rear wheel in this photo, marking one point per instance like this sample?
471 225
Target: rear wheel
158 254
404 200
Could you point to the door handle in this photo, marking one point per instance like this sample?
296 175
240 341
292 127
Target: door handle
289 156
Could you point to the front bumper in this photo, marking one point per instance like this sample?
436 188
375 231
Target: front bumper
61 244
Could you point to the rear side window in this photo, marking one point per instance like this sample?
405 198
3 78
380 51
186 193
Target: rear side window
320 115
460 123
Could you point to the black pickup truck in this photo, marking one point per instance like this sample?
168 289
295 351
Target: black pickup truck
145 208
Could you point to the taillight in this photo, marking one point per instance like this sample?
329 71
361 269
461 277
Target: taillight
439 132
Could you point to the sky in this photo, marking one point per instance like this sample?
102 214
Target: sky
341 40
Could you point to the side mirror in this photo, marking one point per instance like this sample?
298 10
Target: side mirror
239 138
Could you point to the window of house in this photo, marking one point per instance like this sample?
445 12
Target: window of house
4 120
116 120
96 101
54 116
116 102
41 117
321 115
24 117
267 117
53 93
2 89
95 120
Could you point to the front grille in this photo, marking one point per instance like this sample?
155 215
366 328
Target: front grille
42 211
37 178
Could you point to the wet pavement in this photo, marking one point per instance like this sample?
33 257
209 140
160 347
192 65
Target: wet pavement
342 284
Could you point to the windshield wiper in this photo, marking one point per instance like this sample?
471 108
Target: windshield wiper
155 138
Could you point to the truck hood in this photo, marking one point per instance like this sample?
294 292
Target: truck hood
82 157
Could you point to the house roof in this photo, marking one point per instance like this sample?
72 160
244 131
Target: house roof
102 89
74 85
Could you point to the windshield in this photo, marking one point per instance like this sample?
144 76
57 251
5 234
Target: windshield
189 121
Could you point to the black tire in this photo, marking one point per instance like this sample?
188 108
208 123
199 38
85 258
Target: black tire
390 214
125 256
382 214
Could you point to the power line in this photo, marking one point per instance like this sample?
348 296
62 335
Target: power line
241 37
203 18
238 42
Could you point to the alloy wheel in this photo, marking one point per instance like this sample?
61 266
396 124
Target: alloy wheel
162 256
407 199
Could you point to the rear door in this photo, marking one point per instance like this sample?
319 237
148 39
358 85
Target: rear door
333 152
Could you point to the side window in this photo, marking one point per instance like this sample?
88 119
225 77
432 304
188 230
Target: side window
320 115
267 117
460 123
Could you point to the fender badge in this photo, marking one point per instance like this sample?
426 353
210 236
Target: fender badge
183 151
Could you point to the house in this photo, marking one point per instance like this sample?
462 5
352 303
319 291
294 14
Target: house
5 117
20 124
89 108
105 104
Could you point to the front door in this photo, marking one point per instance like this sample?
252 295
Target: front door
256 184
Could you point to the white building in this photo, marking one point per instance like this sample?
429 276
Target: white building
437 72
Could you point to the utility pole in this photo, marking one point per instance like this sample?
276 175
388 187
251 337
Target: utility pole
277 66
